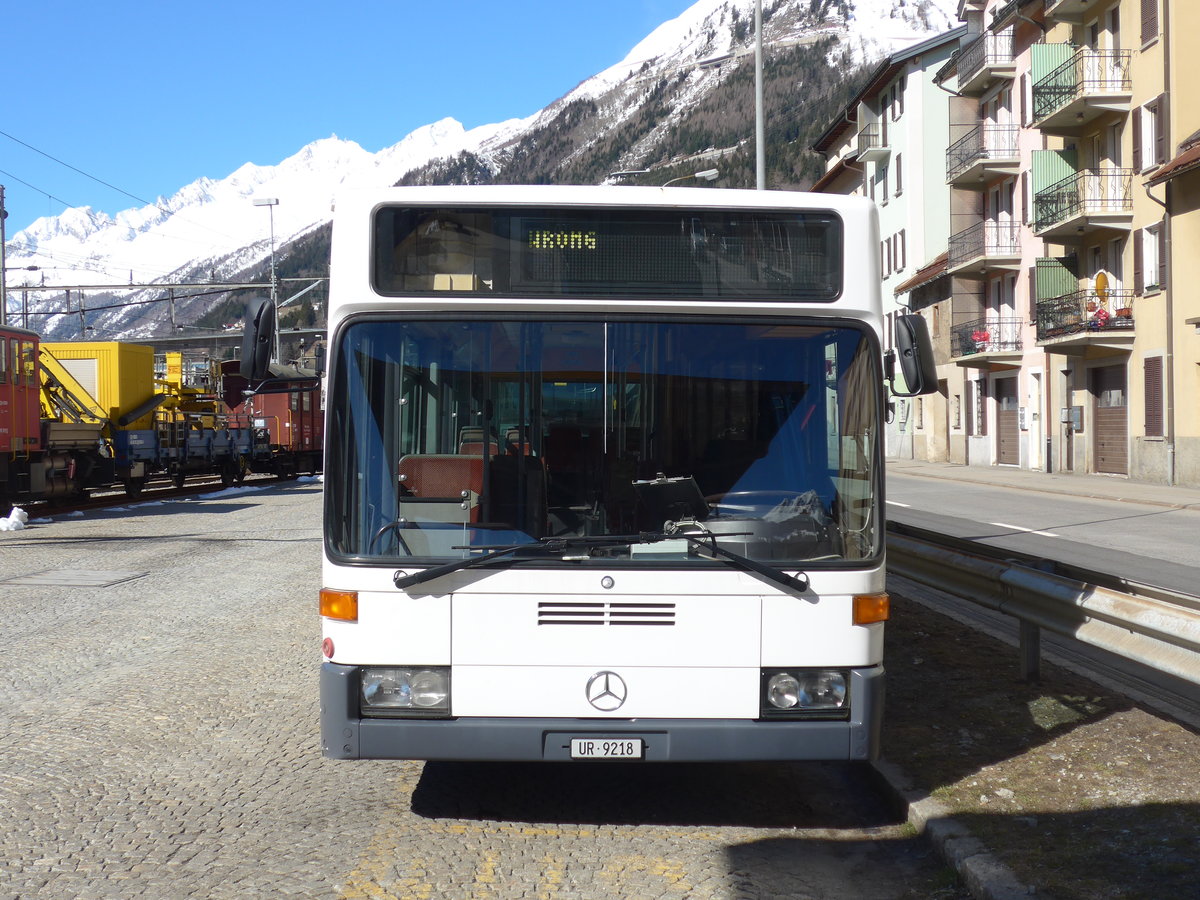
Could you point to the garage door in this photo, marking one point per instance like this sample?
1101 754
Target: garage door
1110 441
1008 433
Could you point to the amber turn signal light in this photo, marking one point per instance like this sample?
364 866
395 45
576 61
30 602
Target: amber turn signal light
871 608
339 605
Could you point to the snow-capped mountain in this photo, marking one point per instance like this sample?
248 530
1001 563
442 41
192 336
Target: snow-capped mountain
209 230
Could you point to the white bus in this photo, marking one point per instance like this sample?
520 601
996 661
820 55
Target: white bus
604 475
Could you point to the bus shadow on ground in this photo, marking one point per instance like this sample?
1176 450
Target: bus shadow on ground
755 795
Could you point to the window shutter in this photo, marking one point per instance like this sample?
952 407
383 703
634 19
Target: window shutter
899 175
1152 369
1161 233
1149 20
1139 285
981 408
1164 123
1024 198
1024 95
1160 130
1137 139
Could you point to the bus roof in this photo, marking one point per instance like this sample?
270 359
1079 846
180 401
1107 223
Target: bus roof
601 195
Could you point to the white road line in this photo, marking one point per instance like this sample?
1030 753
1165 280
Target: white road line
894 503
1026 530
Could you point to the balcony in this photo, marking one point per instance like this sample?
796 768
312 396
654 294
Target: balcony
1083 203
1083 318
871 145
983 153
1067 10
1086 86
983 247
985 59
987 340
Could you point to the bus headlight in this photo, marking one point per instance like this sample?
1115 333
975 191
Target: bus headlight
801 693
420 691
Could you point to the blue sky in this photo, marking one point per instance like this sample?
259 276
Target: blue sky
149 96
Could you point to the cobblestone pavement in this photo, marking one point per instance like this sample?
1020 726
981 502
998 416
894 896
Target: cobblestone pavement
158 738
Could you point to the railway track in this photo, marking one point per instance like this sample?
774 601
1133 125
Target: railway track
155 491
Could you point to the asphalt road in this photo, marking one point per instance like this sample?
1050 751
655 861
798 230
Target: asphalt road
158 738
1142 543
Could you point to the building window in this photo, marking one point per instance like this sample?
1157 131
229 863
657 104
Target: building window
1150 134
899 175
1149 259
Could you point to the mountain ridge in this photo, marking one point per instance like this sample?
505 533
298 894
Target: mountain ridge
636 113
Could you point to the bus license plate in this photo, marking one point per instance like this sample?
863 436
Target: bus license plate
606 748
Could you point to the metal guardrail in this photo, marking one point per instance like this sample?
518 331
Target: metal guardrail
1084 311
983 142
994 334
1093 192
983 240
870 137
989 49
1086 72
1151 626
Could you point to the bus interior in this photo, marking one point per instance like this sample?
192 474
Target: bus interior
451 436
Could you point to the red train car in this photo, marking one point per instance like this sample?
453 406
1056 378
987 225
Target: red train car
287 417
20 408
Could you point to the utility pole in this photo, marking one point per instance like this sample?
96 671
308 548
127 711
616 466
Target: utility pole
3 283
760 147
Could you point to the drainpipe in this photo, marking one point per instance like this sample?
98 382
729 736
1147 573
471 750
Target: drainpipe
1169 362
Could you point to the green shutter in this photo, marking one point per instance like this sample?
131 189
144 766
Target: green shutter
1052 166
1045 58
1056 278
1049 167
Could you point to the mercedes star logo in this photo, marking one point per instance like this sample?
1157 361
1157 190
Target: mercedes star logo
606 691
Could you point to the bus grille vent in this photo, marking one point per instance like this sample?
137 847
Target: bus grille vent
602 613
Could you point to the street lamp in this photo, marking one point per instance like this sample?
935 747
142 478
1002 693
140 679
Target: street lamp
270 203
705 175
760 139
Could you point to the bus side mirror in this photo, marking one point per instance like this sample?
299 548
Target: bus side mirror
915 352
258 339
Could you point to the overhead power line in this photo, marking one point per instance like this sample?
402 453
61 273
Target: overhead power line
55 159
74 169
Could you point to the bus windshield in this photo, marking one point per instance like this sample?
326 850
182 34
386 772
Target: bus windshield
451 435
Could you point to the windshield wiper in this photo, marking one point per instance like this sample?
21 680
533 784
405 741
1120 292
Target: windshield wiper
544 545
708 541
705 541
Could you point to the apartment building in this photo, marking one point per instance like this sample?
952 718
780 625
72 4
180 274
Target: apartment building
887 144
1065 321
1176 184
